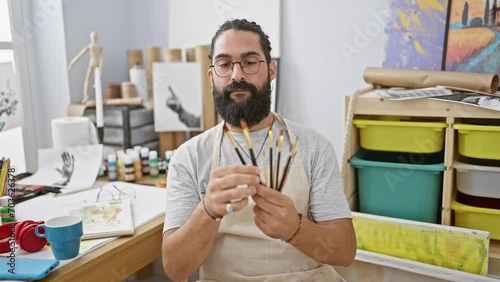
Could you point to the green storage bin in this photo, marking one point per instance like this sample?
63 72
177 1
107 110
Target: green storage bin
400 185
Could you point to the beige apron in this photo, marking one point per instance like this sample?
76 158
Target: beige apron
264 258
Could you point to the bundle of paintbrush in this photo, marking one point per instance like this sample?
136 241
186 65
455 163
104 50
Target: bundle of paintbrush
274 179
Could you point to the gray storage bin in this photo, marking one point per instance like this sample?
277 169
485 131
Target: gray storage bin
476 180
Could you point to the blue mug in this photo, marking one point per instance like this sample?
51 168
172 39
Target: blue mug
63 234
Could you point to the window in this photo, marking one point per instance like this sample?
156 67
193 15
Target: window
16 78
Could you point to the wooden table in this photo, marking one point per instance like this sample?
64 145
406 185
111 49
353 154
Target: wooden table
116 260
120 258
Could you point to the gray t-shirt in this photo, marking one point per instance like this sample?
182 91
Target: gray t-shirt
190 167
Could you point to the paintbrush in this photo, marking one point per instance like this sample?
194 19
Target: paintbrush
293 151
280 145
271 156
244 126
233 143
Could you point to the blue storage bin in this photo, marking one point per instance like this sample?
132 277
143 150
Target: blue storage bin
401 185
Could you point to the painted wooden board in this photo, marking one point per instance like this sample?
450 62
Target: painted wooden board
446 246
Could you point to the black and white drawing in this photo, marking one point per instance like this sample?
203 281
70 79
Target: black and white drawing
491 101
70 167
10 100
178 97
67 168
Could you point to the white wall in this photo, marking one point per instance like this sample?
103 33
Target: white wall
121 25
315 74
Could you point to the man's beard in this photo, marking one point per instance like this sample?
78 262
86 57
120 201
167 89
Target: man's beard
253 110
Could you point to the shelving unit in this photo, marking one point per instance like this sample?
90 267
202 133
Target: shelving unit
450 113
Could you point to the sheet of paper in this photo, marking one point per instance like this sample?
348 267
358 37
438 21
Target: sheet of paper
70 167
12 146
408 94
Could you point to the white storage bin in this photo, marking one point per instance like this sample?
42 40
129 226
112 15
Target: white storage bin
479 181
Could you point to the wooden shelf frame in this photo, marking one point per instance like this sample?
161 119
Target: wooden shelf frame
451 113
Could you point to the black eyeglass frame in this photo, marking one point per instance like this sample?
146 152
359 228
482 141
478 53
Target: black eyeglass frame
232 67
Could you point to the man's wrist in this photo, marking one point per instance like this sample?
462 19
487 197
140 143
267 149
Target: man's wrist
299 227
216 217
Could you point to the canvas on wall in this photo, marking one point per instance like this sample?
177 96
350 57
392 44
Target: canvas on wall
11 108
415 34
178 97
473 37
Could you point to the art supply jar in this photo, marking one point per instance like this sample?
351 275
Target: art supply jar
153 164
145 160
112 168
129 172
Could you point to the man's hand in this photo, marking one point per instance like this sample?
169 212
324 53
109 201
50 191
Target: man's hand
67 169
222 188
173 102
275 213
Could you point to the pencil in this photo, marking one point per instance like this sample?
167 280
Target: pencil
249 142
280 145
293 151
233 143
271 156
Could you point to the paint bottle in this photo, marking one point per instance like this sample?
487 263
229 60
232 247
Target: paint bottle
137 165
153 164
112 168
129 174
120 155
145 160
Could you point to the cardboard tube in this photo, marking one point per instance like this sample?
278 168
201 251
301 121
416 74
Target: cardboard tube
190 55
134 57
209 115
113 91
135 101
153 54
408 78
172 55
128 90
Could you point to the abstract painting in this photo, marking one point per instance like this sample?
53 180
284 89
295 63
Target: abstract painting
415 34
474 37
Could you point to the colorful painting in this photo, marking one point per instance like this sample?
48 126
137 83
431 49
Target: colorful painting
445 246
415 34
474 37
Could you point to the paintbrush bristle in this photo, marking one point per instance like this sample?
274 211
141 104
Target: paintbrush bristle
280 145
244 126
230 137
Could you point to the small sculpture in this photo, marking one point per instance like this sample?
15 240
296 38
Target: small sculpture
96 58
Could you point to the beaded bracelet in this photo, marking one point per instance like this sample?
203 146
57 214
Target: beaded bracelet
298 228
204 207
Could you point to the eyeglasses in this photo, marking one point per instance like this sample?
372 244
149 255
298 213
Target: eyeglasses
116 194
224 67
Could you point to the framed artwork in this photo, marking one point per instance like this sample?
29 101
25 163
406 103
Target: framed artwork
178 97
473 37
10 99
415 34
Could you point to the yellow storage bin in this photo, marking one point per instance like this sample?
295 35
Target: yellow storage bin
477 218
478 141
401 136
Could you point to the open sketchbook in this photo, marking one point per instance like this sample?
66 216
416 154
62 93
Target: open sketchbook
104 219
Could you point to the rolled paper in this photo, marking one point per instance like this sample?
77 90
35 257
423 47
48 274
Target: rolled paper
128 90
409 78
134 57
